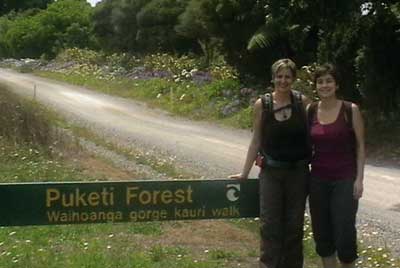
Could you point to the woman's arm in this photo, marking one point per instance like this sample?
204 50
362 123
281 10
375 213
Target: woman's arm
254 144
306 101
358 125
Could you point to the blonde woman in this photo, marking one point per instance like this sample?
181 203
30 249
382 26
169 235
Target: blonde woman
280 140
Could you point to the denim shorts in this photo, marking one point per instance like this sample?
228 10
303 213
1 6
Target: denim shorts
333 213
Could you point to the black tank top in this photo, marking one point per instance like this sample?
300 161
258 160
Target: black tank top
285 140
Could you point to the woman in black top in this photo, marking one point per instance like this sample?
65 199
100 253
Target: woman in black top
280 135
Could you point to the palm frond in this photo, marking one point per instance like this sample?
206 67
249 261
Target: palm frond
264 37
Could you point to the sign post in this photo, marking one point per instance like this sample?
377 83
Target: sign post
126 201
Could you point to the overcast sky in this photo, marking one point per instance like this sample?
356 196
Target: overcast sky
93 2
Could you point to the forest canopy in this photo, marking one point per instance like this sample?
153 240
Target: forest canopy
361 37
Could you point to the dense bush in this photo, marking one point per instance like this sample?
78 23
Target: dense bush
33 34
361 38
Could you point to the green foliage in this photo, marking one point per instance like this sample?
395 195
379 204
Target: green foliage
9 5
81 56
361 38
5 24
63 24
170 63
156 22
199 22
223 254
378 60
115 24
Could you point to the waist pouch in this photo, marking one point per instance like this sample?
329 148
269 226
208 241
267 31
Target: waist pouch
266 160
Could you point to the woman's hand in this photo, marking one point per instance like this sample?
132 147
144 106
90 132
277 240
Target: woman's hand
238 177
358 189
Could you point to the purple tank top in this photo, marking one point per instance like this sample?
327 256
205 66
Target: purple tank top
334 149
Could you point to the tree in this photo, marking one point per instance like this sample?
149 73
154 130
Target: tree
199 21
115 24
156 22
378 59
48 31
9 5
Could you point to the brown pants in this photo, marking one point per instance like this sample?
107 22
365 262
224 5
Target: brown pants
283 194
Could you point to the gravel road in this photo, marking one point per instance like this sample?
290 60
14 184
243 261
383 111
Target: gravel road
201 147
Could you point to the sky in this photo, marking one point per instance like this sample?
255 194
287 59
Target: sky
93 2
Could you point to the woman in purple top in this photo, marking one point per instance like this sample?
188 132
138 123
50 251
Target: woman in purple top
337 167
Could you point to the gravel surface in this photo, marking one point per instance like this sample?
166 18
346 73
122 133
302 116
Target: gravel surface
378 232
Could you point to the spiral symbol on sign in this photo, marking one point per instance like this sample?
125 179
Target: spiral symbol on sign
232 194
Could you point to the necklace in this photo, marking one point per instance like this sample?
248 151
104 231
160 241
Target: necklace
284 111
284 115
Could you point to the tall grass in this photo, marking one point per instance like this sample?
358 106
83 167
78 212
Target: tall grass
24 122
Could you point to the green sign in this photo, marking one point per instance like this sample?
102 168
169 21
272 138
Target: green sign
126 201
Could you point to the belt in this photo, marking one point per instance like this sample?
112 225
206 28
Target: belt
268 161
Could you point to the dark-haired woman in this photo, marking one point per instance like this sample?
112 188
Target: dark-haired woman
337 171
